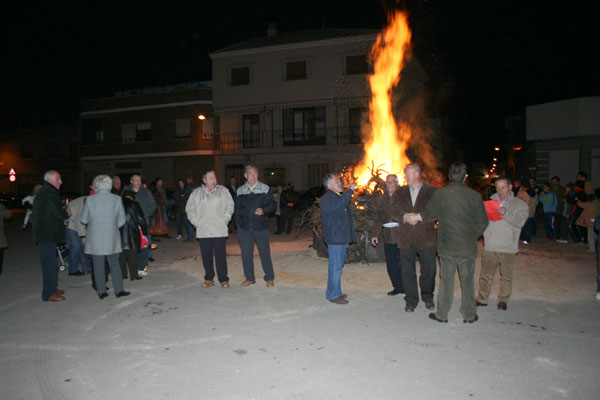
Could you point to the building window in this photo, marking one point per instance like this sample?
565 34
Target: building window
357 65
183 128
275 177
315 174
295 70
356 119
136 132
251 131
207 128
240 76
234 171
304 126
92 132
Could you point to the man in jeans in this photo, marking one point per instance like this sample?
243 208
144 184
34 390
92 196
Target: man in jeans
461 216
338 232
49 230
253 205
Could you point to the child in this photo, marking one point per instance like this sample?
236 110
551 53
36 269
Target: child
550 202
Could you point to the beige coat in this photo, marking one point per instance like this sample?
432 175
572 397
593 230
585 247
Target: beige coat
210 212
591 209
76 207
503 236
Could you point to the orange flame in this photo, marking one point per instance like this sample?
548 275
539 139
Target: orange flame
386 146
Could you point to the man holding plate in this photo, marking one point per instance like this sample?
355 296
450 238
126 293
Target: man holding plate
384 222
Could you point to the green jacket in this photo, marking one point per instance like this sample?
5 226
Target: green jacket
48 216
462 219
560 193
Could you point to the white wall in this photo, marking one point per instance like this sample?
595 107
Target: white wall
564 164
562 119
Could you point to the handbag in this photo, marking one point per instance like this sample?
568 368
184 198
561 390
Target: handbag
159 225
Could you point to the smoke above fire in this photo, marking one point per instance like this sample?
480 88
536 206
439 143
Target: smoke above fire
388 139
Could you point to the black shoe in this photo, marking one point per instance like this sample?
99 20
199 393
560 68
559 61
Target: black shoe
471 321
409 309
150 258
122 293
78 273
435 318
429 305
478 304
502 306
394 292
102 296
278 233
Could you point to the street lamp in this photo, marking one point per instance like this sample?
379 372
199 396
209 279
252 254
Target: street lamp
497 148
201 117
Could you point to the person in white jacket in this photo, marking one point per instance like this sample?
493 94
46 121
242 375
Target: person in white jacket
209 209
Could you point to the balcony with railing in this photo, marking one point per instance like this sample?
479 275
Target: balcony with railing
289 137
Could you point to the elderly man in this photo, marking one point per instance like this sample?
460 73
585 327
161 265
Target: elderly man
462 219
253 204
501 243
338 232
49 230
383 222
209 209
146 201
416 237
116 185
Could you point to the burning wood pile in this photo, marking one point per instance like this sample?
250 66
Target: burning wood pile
385 142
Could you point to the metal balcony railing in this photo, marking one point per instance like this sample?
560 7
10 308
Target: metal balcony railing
290 137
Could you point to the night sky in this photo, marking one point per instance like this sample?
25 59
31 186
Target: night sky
485 59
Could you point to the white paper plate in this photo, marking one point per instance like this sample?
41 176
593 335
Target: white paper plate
391 224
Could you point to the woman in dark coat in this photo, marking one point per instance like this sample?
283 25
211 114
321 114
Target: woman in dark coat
130 235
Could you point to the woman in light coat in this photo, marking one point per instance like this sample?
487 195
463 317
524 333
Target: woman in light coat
209 209
103 214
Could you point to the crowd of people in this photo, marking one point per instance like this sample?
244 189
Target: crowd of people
113 230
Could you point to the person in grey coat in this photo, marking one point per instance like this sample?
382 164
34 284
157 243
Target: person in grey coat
103 214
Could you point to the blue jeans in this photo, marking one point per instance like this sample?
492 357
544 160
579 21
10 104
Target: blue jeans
548 222
76 253
337 258
191 231
47 252
247 240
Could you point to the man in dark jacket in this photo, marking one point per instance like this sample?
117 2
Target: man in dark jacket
253 204
49 230
287 202
338 232
383 223
131 238
416 237
462 219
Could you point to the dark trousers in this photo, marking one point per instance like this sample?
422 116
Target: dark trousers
408 267
191 231
47 252
561 227
100 273
526 230
247 240
128 260
214 249
180 223
392 262
548 222
286 222
1 259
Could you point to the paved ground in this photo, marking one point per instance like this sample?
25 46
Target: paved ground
172 339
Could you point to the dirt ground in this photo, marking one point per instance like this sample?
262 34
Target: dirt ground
173 339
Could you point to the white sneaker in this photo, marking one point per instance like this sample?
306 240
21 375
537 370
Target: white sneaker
179 237
142 273
598 296
561 241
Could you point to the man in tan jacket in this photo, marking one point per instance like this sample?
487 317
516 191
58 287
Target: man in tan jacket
209 209
416 237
